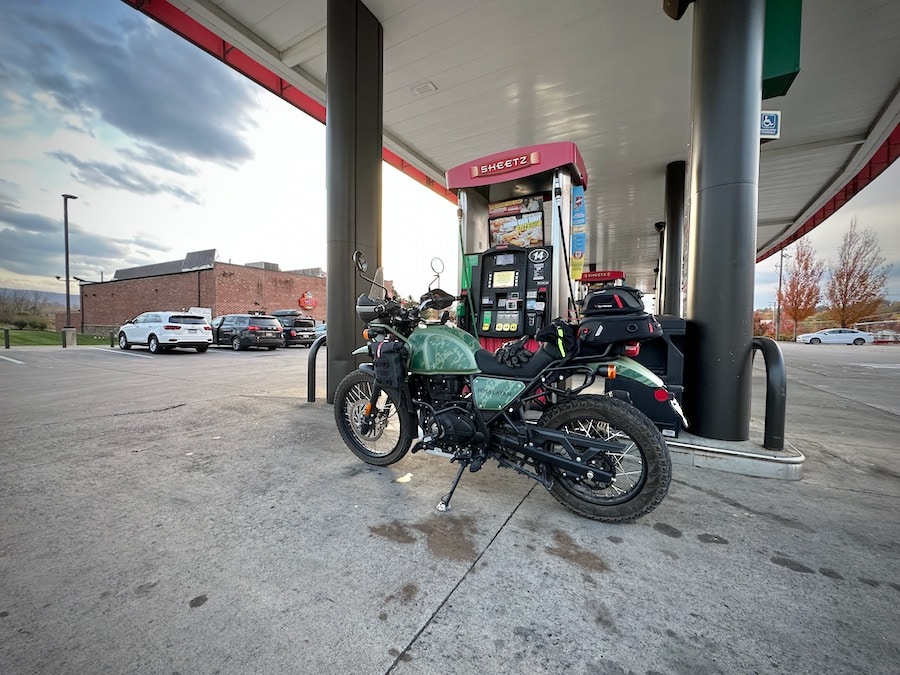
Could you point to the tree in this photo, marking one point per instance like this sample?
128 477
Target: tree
858 279
801 290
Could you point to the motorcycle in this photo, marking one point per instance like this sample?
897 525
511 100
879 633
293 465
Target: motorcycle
431 382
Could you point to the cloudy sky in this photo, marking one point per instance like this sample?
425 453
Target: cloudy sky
169 151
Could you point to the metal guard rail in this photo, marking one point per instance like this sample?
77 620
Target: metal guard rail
311 368
776 392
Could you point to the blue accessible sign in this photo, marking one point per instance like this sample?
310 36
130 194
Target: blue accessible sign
770 124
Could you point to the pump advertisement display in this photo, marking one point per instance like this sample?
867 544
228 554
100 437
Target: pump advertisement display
579 222
517 222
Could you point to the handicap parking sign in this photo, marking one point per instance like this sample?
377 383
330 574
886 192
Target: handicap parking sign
770 124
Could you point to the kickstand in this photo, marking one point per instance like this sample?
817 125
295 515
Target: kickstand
444 504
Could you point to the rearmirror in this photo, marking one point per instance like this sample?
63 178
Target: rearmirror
359 259
437 265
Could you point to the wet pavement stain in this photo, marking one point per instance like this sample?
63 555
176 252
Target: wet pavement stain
792 565
146 588
615 540
407 594
395 531
712 539
567 549
448 537
199 600
395 653
870 582
383 616
667 530
604 618
830 573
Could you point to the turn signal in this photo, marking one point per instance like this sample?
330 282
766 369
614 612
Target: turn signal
365 333
611 371
368 409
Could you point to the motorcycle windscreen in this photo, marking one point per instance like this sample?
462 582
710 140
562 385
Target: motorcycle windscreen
377 291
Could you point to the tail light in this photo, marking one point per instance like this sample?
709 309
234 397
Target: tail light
171 326
632 348
252 328
207 327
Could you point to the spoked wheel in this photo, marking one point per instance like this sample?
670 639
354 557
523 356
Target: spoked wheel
389 437
641 463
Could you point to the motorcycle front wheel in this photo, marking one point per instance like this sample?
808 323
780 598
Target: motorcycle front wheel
641 463
390 433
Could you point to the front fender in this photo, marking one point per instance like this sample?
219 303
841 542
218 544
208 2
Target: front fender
361 351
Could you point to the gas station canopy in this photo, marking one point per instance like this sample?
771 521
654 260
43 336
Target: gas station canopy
470 78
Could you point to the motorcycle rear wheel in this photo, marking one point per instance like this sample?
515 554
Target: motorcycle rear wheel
392 430
643 467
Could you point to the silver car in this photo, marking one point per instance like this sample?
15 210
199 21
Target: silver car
161 331
837 336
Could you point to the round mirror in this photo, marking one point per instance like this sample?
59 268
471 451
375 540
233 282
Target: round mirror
359 259
437 265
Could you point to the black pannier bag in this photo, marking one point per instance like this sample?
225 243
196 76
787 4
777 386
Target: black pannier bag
597 332
390 359
612 315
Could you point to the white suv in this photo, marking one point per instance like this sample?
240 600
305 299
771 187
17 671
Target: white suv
161 331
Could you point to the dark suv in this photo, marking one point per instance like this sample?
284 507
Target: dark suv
299 329
247 330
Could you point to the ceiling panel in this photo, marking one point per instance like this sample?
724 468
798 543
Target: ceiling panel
612 77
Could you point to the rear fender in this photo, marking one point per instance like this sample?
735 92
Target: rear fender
631 369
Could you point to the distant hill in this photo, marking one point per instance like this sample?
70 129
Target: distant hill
50 298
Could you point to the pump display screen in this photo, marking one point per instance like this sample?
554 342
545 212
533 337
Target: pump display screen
503 279
505 259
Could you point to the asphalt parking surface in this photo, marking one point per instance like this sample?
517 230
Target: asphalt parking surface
192 513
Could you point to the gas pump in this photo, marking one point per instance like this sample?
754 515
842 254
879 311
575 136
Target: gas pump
522 238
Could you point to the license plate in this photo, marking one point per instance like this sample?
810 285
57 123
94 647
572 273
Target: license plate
192 330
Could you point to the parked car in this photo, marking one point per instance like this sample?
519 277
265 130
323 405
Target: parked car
247 330
837 336
321 330
161 331
299 329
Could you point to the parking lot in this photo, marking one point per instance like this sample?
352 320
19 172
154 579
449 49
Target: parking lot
191 513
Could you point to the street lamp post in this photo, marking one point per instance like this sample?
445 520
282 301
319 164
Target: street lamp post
66 199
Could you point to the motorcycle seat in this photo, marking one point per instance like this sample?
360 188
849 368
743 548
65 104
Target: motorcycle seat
489 365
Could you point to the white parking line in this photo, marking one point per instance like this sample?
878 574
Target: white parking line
122 352
6 358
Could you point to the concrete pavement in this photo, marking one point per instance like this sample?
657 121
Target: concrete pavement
193 514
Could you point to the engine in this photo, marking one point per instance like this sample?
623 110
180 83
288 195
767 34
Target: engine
445 412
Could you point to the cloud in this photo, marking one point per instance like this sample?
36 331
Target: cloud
103 174
32 244
131 73
150 154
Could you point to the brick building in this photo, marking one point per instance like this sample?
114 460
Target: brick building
199 281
